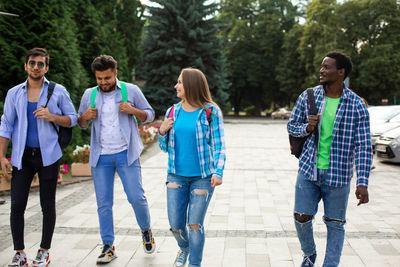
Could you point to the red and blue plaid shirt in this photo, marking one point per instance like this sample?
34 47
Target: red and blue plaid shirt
351 140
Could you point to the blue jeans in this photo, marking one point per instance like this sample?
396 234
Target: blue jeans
307 196
187 201
103 178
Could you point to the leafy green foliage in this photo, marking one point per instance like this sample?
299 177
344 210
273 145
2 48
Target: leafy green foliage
368 31
179 34
74 32
255 30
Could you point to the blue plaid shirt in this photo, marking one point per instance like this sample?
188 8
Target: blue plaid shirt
351 140
210 141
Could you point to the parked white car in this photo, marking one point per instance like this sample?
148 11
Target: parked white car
381 128
388 146
380 116
281 113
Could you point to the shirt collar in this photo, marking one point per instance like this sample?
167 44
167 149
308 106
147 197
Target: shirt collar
345 93
117 83
25 85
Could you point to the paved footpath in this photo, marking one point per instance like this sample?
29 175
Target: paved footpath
249 222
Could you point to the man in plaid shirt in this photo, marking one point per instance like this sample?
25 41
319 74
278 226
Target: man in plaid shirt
326 166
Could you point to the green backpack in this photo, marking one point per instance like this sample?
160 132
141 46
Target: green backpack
124 94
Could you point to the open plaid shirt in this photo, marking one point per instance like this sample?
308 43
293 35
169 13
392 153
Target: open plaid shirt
351 140
210 141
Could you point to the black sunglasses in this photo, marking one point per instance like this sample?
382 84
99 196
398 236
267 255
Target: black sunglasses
32 64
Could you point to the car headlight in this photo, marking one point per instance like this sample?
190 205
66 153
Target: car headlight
396 142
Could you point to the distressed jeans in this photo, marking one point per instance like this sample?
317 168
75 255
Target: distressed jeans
103 179
187 201
307 196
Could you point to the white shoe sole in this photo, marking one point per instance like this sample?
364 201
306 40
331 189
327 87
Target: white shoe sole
149 251
40 264
106 260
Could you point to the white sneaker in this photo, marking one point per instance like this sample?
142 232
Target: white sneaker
181 258
18 260
42 258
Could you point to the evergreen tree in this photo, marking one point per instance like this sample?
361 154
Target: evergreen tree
255 31
110 27
181 33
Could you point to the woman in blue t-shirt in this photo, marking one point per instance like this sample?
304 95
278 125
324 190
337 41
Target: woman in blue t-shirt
193 135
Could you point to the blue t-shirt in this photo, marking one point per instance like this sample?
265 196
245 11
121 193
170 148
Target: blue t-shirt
32 138
187 161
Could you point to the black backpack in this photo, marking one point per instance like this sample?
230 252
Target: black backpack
64 133
297 143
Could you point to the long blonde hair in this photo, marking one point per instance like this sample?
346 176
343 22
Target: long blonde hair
195 84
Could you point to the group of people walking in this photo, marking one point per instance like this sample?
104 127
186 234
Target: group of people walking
192 134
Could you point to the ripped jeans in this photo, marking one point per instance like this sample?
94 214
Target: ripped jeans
187 201
307 196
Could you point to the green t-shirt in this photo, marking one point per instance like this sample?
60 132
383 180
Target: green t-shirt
325 139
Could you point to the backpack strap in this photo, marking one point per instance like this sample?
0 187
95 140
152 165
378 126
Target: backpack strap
313 111
124 92
311 100
171 112
50 91
208 113
93 97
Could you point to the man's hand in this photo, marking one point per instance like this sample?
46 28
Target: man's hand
215 181
166 125
44 114
312 122
5 167
126 107
362 195
89 114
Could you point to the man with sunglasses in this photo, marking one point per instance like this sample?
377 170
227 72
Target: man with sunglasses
35 149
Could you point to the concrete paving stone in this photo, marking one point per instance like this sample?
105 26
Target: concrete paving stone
218 219
385 248
253 219
234 243
257 260
238 260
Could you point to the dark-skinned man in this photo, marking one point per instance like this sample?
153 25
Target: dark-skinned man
326 164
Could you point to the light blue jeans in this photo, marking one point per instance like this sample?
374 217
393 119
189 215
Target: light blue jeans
103 178
187 201
307 196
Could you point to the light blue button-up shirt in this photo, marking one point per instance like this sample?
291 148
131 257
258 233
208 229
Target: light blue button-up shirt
127 122
14 121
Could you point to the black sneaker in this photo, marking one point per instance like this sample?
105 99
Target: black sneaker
149 245
107 254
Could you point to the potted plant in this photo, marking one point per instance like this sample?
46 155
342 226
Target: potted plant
148 133
80 161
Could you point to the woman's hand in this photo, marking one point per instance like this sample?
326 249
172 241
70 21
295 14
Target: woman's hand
215 181
166 125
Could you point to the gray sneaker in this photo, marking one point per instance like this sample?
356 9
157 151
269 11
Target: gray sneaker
42 258
19 260
181 258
